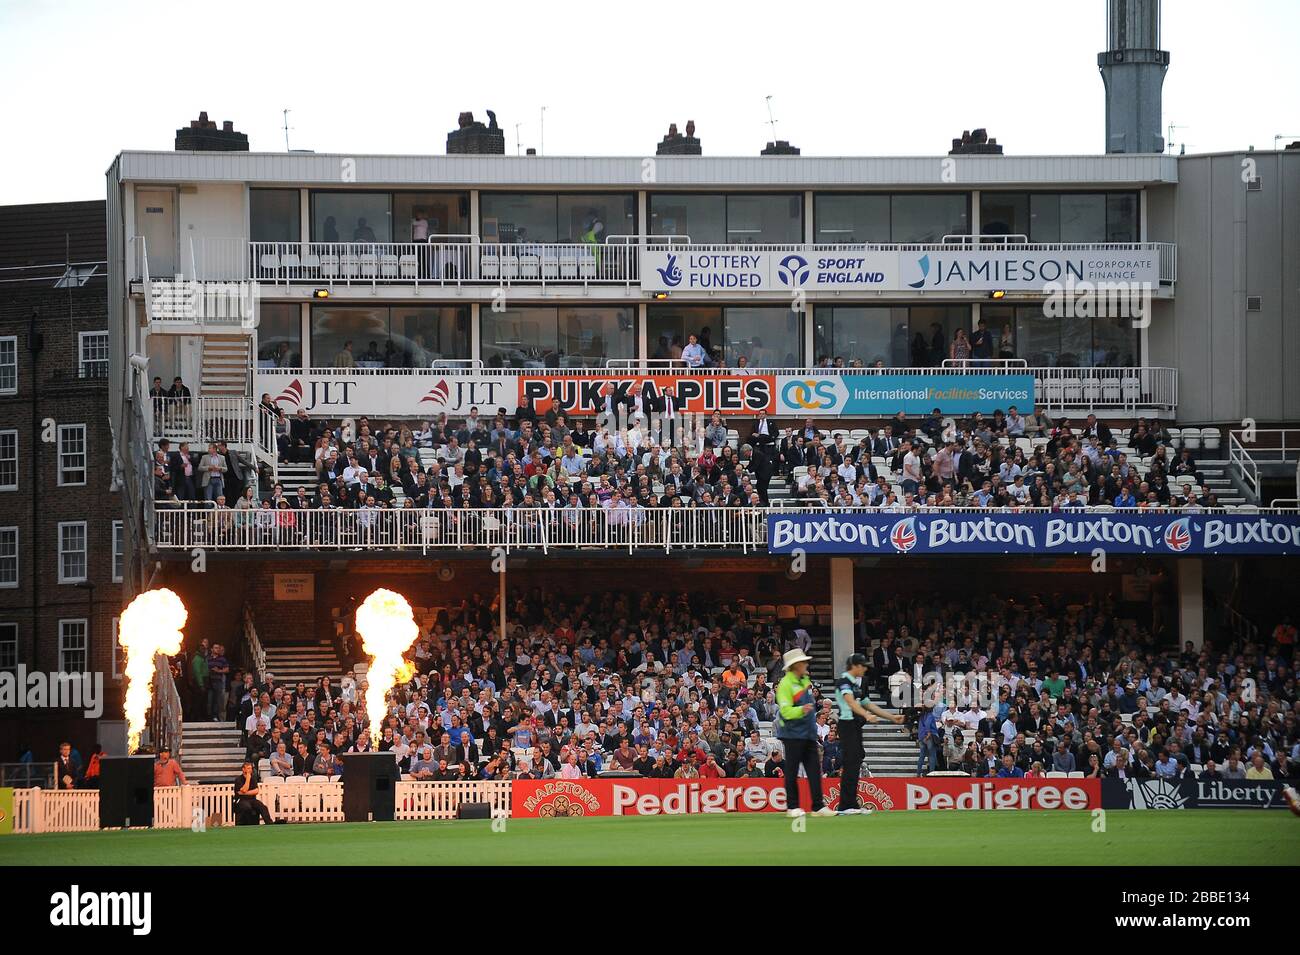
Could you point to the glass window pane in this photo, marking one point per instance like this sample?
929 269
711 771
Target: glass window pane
1004 213
419 215
520 338
279 336
1122 217
1001 320
767 337
936 326
274 216
516 218
588 336
343 336
1045 217
425 335
928 218
1114 343
1038 337
1083 217
351 217
764 219
841 220
702 217
860 337
597 215
667 327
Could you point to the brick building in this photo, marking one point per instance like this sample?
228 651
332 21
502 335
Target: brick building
60 520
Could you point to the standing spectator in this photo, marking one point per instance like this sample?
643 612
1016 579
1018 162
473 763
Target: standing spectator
167 771
218 671
67 768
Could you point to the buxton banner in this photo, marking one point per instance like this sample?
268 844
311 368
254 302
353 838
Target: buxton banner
886 395
637 796
590 393
1063 532
1157 793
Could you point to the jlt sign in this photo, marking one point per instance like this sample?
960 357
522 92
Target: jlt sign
334 393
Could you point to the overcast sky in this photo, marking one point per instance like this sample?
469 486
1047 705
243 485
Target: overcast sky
84 80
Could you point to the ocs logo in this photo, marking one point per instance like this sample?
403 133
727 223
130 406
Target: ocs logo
792 270
1178 535
810 395
903 536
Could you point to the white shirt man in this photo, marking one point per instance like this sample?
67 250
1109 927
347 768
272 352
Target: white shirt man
912 466
693 354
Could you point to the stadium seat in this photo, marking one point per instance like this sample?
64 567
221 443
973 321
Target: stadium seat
1211 439
1175 436
1053 774
1192 439
785 613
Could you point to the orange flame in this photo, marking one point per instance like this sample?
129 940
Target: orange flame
149 626
388 629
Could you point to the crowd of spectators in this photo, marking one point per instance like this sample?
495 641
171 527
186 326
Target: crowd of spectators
682 685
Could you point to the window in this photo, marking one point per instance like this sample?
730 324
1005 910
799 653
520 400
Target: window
8 557
72 454
1048 341
901 217
273 215
351 217
566 218
72 552
862 337
119 551
399 337
72 646
445 213
767 337
92 355
741 219
279 336
564 337
1049 217
8 460
8 646
9 365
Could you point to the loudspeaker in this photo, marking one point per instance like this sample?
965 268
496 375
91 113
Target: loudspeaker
125 791
474 810
368 791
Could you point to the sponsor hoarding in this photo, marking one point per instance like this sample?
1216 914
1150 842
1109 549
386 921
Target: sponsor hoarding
426 392
878 532
886 395
768 269
1157 793
587 394
637 796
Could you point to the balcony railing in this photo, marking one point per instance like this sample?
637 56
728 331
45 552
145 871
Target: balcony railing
442 529
453 261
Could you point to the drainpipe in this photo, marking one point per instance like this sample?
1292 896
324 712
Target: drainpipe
34 345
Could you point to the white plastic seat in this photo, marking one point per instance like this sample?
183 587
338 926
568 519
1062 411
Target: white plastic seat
270 262
490 265
1211 439
1132 389
1071 390
407 267
388 266
1192 439
1110 391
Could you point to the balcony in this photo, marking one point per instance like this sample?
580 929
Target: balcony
653 265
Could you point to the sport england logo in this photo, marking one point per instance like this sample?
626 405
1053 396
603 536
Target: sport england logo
792 270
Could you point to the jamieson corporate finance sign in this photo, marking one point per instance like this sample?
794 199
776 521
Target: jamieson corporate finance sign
883 533
850 394
785 269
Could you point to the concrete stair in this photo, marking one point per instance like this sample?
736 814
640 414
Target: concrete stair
226 362
889 750
1216 478
304 662
211 752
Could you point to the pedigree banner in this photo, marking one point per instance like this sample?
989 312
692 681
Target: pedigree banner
557 798
704 394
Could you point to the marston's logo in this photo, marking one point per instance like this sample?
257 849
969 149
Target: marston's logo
438 394
559 807
870 796
292 394
792 270
1178 535
670 273
903 536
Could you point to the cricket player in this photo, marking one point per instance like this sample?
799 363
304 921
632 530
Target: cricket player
854 710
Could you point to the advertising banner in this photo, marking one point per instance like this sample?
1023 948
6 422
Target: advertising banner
1063 532
636 796
588 394
6 810
886 395
862 269
328 392
1186 793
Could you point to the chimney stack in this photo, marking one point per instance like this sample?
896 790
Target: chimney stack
1133 70
472 137
975 142
202 135
675 144
779 148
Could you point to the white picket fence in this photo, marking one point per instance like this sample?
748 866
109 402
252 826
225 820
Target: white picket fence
77 810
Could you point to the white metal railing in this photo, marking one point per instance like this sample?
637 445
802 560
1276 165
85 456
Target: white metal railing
1249 448
444 262
253 644
207 419
440 529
